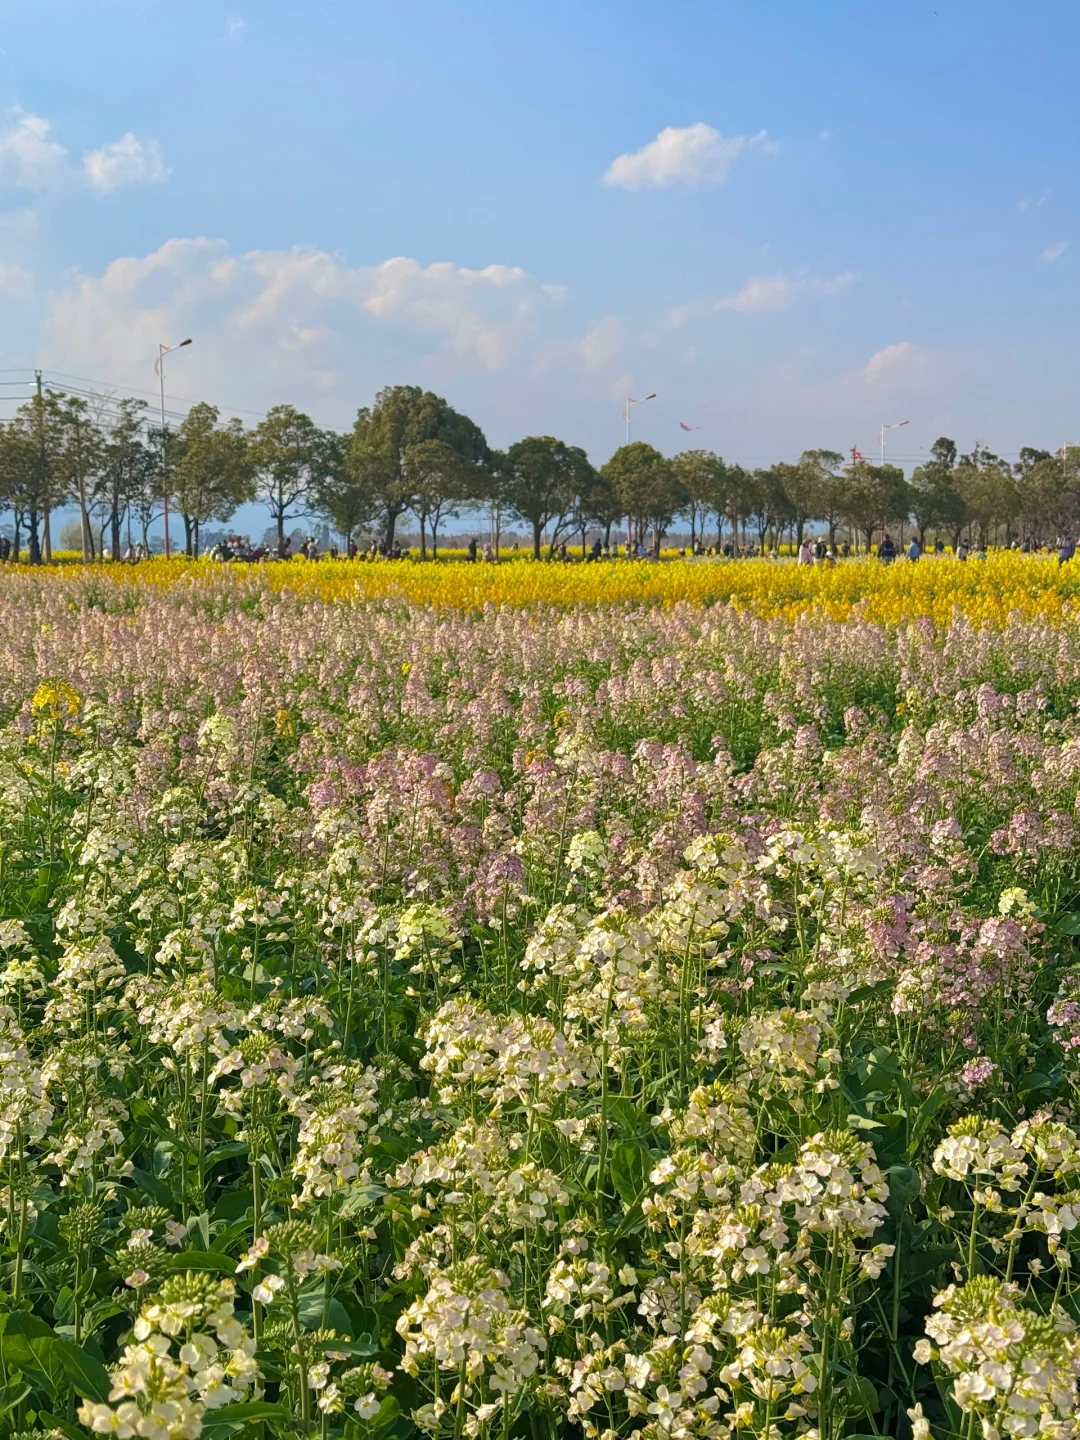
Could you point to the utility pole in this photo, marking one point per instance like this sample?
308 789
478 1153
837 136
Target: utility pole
35 559
159 370
46 532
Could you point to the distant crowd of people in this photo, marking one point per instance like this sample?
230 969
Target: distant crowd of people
810 551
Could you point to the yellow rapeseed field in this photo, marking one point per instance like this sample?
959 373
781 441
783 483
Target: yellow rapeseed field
986 591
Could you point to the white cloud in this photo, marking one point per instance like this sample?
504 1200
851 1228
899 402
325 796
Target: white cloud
29 158
900 364
693 156
292 323
1038 203
1054 252
762 293
235 28
16 283
825 135
127 161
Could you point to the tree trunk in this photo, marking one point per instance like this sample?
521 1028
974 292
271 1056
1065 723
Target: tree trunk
435 540
392 514
84 521
196 539
537 529
423 546
188 535
46 535
35 545
114 531
18 519
279 520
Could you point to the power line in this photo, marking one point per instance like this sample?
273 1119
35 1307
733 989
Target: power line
134 390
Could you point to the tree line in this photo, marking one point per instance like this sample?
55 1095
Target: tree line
410 453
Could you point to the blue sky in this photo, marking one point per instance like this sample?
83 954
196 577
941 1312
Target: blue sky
791 220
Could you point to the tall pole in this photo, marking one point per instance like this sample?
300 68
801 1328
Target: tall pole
159 366
162 352
898 426
46 528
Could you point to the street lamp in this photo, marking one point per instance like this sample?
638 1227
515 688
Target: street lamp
159 371
630 403
881 436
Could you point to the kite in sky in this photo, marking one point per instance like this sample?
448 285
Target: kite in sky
683 426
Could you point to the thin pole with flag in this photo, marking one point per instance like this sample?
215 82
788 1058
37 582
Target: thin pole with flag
881 435
630 403
159 371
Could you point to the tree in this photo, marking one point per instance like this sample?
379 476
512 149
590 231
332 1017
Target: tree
935 500
81 459
594 504
739 501
543 478
874 496
336 491
803 489
128 469
649 488
600 505
18 457
765 501
703 476
441 480
988 491
41 482
211 470
285 451
824 484
403 416
1051 494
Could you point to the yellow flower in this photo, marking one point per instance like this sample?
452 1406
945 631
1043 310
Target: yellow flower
283 724
406 666
54 699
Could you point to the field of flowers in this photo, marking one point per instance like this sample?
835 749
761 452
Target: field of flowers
596 1014
986 591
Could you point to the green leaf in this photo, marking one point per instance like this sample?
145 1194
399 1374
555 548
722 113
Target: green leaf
230 1419
29 1345
152 1186
12 1393
229 1151
363 1345
361 1197
209 1260
861 1396
314 1312
88 1376
249 1410
923 1262
628 1172
56 1422
925 1113
904 1187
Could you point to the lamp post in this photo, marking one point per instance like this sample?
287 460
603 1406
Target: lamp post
881 436
630 403
159 371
